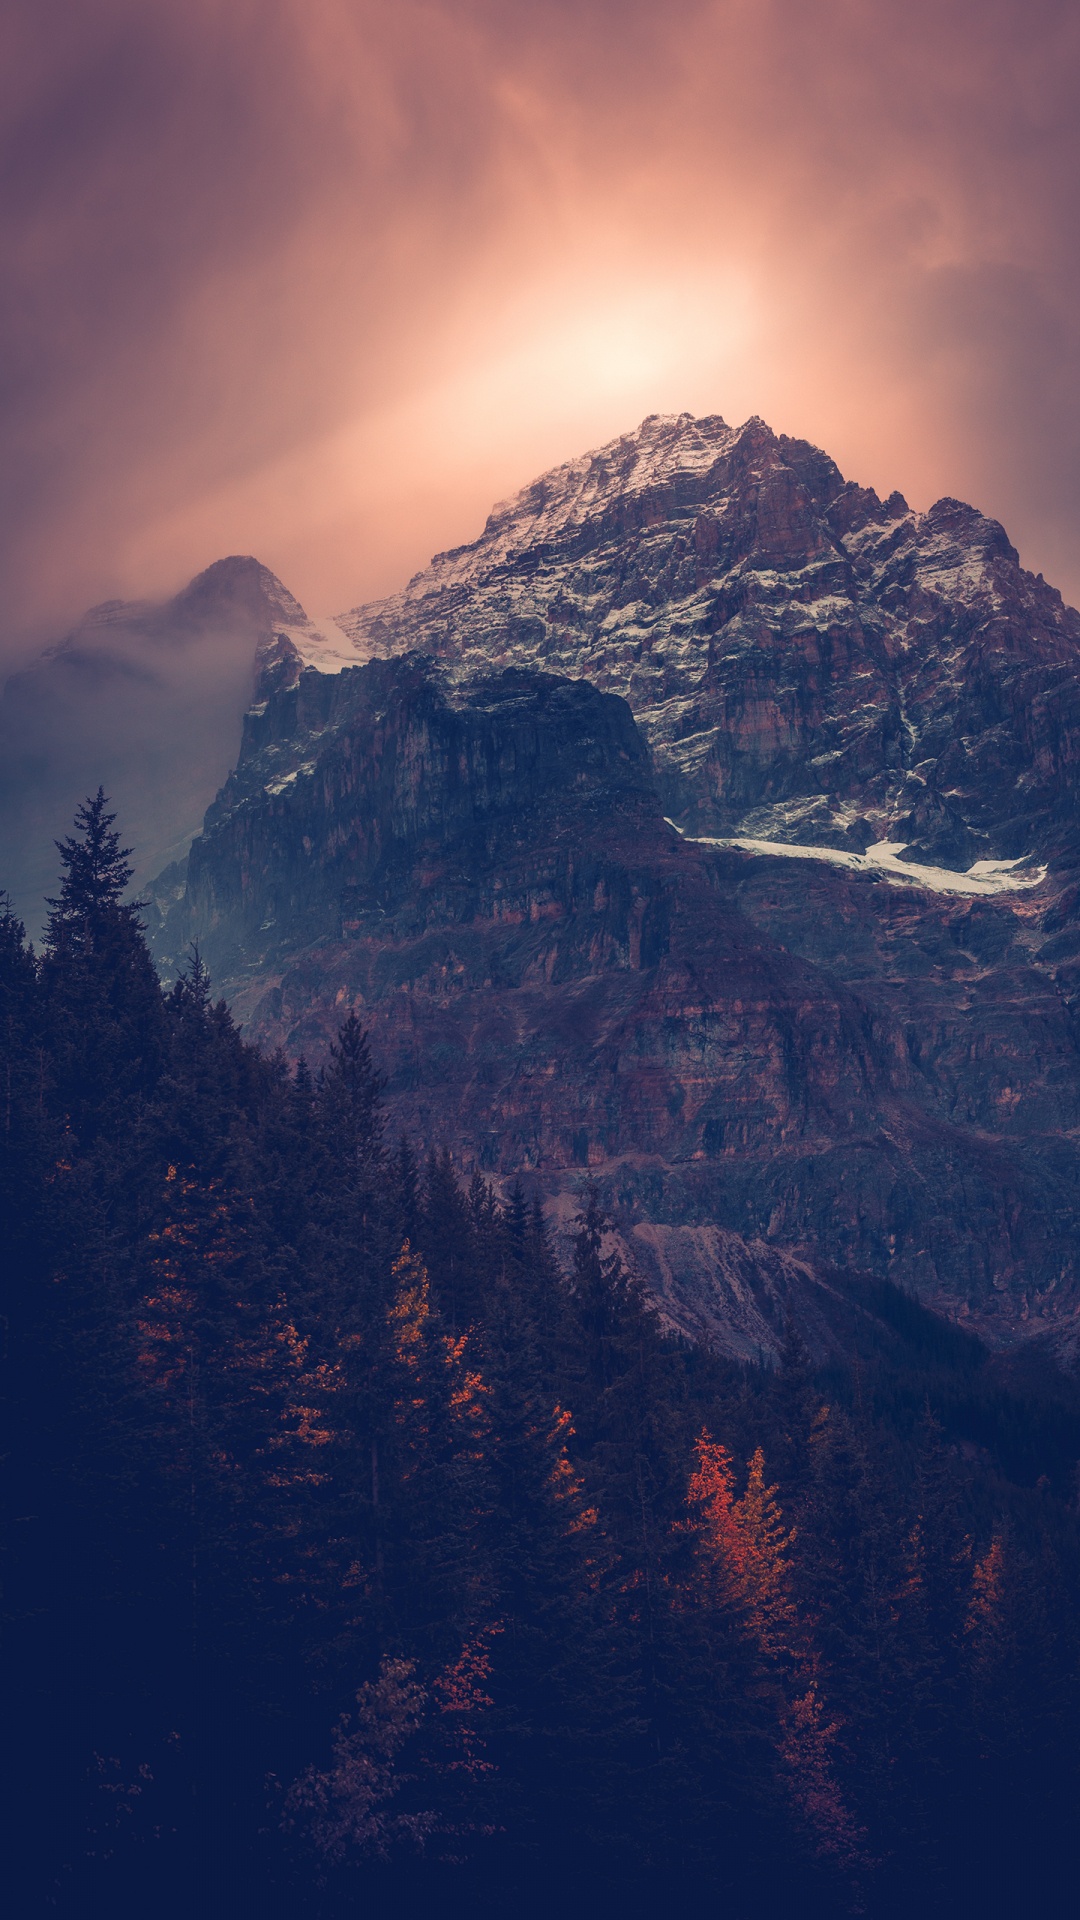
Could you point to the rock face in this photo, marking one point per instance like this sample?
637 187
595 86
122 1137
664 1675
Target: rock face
144 699
807 662
819 1020
770 1065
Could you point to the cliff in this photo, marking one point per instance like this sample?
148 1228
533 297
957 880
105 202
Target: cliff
807 662
770 1065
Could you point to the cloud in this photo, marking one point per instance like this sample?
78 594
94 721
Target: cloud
320 279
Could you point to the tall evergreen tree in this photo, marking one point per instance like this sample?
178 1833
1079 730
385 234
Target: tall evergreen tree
102 997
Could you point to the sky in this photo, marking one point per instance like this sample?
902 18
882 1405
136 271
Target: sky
320 280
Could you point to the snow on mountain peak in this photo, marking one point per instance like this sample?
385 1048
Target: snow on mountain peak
785 639
665 444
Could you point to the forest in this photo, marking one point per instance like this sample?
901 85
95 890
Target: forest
363 1555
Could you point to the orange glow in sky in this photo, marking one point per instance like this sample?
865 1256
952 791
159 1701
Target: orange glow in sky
322 282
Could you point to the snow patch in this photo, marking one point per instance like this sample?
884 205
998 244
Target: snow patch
985 877
324 645
286 780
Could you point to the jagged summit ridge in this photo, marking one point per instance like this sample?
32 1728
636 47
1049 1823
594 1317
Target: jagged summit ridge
808 662
665 445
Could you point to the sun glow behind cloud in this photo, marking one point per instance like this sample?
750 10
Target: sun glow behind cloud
323 281
561 367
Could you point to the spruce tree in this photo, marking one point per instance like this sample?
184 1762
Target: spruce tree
103 1002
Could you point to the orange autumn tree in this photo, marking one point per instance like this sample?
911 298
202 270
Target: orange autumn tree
431 1451
482 1575
414 1411
743 1556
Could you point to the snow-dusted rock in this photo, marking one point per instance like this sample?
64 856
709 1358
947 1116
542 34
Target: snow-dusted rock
807 662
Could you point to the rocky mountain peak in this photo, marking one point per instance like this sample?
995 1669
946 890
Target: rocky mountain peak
824 1009
242 582
804 659
664 449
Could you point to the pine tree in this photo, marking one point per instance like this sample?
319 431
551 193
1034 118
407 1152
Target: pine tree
744 1548
928 1605
434 1469
210 1084
350 1090
1024 1785
794 1405
406 1194
564 1723
626 1386
448 1243
103 1002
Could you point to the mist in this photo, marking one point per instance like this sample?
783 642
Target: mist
144 699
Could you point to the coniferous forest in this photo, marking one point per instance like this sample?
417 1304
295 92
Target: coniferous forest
362 1556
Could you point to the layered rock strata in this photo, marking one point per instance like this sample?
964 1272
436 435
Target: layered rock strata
770 1065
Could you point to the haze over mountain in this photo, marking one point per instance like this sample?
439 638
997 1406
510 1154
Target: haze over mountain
145 698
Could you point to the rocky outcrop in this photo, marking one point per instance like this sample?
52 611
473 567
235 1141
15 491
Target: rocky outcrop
807 662
770 1066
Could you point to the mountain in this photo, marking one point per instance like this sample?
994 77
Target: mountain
146 699
771 1066
708 828
807 662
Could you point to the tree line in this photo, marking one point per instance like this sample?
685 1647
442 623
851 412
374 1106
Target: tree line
359 1549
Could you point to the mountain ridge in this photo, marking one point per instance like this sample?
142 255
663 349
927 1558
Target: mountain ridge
825 1012
890 1084
772 626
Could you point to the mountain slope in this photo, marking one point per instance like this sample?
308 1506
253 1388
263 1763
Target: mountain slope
758 1059
807 662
